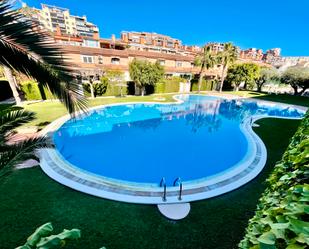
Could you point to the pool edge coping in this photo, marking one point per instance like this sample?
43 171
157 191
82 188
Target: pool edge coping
155 197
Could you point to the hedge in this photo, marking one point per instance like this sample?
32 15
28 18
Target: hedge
206 85
32 91
168 85
104 88
281 220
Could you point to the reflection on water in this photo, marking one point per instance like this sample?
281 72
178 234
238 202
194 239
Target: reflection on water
144 142
198 111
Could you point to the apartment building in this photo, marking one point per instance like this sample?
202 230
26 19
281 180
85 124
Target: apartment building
90 55
216 47
56 19
90 61
251 54
153 42
94 58
272 56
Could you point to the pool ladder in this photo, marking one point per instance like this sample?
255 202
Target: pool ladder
163 184
178 180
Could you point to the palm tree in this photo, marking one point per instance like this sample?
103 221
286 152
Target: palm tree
27 50
227 57
13 153
206 61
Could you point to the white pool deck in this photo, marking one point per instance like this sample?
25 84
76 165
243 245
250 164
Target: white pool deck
174 211
243 172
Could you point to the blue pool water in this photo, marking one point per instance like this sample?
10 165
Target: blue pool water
144 142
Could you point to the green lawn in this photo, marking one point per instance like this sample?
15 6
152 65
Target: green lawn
29 198
283 98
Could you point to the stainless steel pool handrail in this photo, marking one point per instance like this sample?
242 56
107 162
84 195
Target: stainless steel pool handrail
163 183
178 180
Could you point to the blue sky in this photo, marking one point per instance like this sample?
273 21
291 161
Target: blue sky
262 23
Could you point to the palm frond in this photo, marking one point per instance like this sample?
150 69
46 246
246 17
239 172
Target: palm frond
13 118
11 155
34 53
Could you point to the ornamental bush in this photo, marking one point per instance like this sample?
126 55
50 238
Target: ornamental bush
207 85
281 220
168 85
33 91
104 88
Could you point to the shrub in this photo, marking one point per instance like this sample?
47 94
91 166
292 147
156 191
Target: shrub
33 91
43 238
160 87
168 85
281 218
206 85
104 88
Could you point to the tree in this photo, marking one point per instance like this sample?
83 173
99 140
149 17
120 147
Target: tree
236 75
206 61
12 154
297 77
12 82
145 73
116 77
266 74
252 72
226 58
245 73
35 54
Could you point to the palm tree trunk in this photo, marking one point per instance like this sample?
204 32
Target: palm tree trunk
91 89
200 80
222 77
143 90
10 78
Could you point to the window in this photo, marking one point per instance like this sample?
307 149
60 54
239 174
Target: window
162 62
100 59
170 43
115 61
159 43
178 64
87 59
90 43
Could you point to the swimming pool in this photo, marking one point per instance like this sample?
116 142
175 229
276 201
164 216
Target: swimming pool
125 151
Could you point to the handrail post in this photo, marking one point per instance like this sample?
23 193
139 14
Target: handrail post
178 179
162 182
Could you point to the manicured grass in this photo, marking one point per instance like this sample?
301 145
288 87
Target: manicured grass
283 98
29 198
246 94
48 111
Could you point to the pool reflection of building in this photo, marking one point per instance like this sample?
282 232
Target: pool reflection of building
198 115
